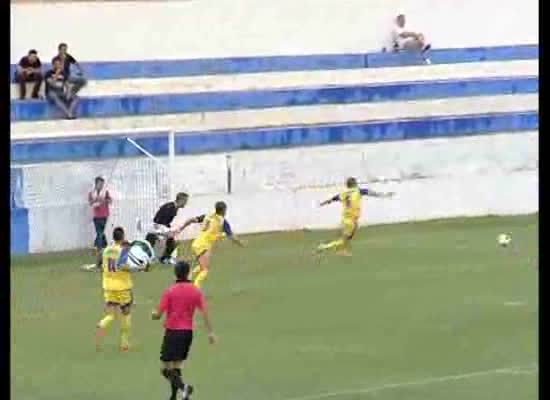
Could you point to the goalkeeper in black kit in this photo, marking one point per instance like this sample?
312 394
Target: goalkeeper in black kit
165 228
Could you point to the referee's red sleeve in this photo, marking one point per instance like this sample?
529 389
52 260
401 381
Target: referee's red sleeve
163 305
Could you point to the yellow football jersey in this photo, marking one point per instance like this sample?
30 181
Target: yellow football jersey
351 203
214 228
115 272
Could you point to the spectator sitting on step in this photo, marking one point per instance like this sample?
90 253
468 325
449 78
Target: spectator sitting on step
407 40
76 80
29 69
56 90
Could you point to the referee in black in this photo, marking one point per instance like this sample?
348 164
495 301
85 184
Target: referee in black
179 303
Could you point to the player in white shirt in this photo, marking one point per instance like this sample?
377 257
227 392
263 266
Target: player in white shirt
404 39
141 253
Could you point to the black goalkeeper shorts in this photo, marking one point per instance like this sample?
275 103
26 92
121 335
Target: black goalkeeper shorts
176 345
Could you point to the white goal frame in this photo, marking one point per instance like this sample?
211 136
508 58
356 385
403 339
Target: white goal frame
170 167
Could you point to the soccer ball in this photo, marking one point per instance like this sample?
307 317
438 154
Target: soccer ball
504 239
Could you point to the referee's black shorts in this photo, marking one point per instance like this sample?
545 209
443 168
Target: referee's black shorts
176 345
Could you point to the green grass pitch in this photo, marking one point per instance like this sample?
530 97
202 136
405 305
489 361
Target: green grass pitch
423 311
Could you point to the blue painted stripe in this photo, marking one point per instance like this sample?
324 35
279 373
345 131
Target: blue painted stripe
115 106
19 231
19 217
451 56
239 65
267 138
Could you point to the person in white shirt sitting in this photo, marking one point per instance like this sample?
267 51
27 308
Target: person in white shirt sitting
404 39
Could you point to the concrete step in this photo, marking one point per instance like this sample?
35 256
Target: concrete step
276 80
273 117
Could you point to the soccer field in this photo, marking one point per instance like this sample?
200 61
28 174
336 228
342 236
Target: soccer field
422 311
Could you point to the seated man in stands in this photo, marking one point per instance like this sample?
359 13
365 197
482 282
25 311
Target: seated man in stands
29 69
407 40
76 80
57 90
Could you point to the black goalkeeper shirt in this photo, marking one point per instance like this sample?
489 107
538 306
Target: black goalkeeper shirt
166 214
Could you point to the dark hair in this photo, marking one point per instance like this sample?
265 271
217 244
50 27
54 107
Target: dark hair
33 51
181 196
118 234
151 238
61 45
181 270
220 207
99 179
351 182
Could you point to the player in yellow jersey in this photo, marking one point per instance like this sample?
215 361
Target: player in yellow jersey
117 289
350 198
214 228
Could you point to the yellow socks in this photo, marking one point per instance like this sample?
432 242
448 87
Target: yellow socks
195 271
201 276
106 321
125 324
332 245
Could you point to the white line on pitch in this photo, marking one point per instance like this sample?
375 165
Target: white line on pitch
515 303
526 369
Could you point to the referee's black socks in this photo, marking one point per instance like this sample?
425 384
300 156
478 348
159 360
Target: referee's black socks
171 375
174 376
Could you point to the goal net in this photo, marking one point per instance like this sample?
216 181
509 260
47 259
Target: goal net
58 195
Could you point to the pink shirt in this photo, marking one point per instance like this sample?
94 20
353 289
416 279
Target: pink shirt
179 302
100 203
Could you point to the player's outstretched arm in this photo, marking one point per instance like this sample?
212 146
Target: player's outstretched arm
328 201
191 221
229 233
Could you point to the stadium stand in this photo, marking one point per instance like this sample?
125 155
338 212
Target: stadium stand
354 97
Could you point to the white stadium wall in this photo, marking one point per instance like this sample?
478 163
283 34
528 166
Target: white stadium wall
279 189
108 31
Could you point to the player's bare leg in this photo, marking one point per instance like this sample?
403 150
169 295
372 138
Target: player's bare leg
200 272
125 325
342 245
103 324
335 244
345 249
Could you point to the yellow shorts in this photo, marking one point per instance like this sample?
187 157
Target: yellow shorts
199 249
122 298
349 227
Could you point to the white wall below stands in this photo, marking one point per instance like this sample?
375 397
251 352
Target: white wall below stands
279 189
108 31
